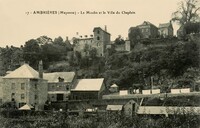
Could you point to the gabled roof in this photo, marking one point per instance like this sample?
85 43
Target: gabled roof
53 77
113 86
89 85
25 71
164 25
26 107
146 23
100 29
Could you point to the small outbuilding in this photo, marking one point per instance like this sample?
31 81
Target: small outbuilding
130 108
26 107
114 88
114 107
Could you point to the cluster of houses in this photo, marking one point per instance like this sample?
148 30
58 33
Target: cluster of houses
100 39
149 30
28 86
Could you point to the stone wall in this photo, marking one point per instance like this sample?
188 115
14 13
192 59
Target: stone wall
34 91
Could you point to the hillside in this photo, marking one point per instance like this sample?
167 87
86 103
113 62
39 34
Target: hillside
164 59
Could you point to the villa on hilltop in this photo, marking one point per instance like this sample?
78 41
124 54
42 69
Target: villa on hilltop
166 30
148 30
98 41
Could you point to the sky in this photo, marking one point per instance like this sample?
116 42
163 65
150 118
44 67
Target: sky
17 26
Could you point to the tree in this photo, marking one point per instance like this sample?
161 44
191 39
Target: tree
93 53
32 52
86 49
119 40
58 40
134 35
188 11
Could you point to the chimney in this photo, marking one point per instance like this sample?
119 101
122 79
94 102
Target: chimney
77 34
67 38
40 69
105 28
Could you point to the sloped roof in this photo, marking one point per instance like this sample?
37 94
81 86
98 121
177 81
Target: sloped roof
26 107
113 86
89 85
53 77
123 92
114 107
100 29
164 25
25 71
146 23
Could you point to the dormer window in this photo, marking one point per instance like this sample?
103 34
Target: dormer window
60 79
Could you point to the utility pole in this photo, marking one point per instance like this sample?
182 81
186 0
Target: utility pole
151 84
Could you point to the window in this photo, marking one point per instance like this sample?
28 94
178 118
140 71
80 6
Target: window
36 97
98 32
35 86
13 97
22 96
13 86
142 30
52 86
98 38
22 86
21 104
13 94
60 97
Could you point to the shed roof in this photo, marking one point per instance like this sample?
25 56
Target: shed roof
25 71
53 77
89 84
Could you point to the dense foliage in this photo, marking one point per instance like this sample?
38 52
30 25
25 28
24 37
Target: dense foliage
104 120
162 61
33 51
